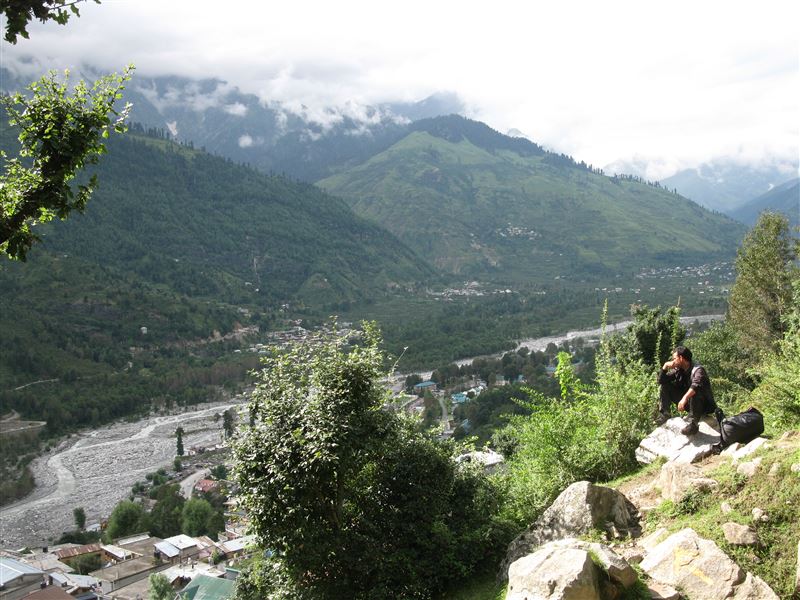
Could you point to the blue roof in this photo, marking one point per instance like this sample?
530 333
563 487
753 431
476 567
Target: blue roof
459 398
425 384
11 569
204 587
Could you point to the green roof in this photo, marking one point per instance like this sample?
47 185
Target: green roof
204 587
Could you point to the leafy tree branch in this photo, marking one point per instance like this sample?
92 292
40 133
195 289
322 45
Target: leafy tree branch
60 131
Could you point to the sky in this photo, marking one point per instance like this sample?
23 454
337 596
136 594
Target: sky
668 85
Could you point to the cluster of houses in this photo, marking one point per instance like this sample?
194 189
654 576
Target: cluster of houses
187 562
196 568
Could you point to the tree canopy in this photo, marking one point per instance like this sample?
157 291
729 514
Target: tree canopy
762 295
19 13
60 131
353 500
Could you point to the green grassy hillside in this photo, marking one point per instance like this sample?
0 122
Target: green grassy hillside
206 227
479 204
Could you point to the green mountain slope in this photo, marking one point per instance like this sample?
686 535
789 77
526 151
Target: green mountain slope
206 227
783 198
479 204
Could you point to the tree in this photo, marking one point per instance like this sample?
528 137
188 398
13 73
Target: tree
21 12
197 518
179 441
160 587
59 133
165 518
126 518
80 517
762 293
227 422
353 500
650 338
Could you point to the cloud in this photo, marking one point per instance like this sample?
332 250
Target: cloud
237 109
245 141
676 82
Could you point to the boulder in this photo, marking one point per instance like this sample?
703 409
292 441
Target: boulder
759 515
750 468
581 508
617 568
660 591
739 535
554 573
695 565
668 441
750 448
754 588
677 478
654 539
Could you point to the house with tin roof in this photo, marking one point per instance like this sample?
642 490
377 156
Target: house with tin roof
18 578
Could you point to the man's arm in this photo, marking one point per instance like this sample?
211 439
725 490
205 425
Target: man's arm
684 403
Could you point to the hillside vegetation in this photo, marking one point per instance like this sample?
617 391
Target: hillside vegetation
479 204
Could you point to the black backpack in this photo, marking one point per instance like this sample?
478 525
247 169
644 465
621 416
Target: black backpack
744 427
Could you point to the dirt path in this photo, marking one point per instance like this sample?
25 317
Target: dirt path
97 471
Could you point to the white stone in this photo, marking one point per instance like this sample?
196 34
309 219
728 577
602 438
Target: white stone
726 508
739 535
750 448
654 539
695 565
553 573
759 515
661 591
754 588
795 468
731 450
677 478
669 442
750 468
774 470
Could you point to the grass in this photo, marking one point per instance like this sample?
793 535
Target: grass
776 491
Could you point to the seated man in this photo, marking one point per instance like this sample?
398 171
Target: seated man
687 386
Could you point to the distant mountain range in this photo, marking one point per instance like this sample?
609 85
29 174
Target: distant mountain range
784 198
725 186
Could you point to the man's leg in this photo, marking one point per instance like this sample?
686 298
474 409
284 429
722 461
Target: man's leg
667 396
698 407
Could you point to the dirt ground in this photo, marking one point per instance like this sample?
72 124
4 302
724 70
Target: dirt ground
96 469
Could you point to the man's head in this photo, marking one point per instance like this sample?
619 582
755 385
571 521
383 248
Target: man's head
682 357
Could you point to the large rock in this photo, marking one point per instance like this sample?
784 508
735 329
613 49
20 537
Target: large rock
754 588
750 448
669 442
554 573
581 508
678 478
695 565
616 567
739 535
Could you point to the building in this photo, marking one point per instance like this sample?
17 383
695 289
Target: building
421 387
204 587
18 579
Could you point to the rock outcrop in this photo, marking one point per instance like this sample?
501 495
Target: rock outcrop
547 574
555 573
669 442
700 569
581 508
676 479
695 565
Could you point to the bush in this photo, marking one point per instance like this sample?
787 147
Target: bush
590 433
356 502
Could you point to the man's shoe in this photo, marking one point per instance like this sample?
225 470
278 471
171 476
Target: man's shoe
690 428
662 418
